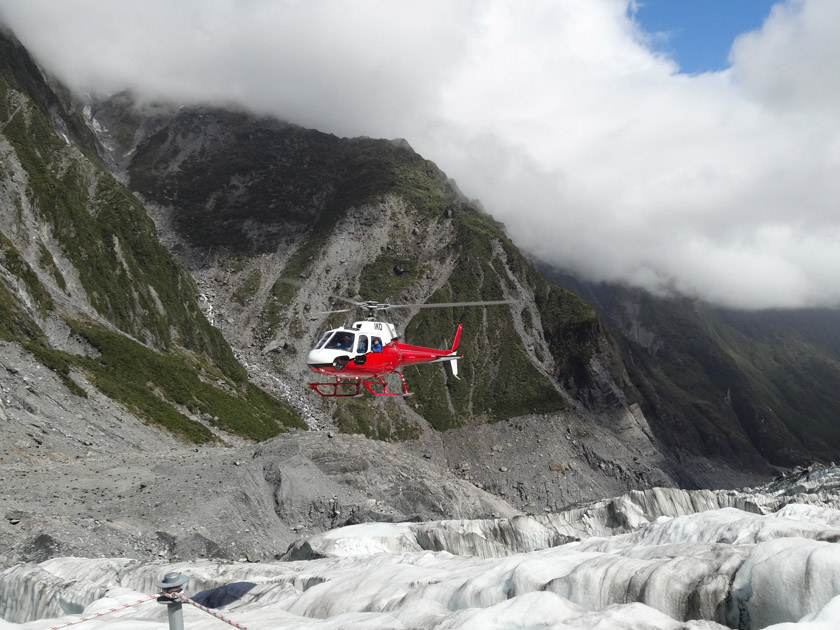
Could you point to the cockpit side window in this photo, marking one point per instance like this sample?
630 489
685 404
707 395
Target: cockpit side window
341 340
363 344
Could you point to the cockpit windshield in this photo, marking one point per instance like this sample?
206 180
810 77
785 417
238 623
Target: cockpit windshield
341 340
324 339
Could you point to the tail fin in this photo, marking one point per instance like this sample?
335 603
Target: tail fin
453 364
457 338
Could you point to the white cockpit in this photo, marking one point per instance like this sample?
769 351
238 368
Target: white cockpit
360 338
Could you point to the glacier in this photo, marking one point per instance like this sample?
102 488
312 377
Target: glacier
657 559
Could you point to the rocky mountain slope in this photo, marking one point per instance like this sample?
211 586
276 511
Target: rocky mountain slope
249 203
88 289
711 380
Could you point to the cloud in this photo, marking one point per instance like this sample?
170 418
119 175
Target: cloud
593 149
348 67
791 63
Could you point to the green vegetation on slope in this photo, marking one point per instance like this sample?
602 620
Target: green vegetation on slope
11 259
154 385
15 321
690 385
388 276
19 72
572 331
793 365
149 382
128 277
376 421
248 289
278 175
46 261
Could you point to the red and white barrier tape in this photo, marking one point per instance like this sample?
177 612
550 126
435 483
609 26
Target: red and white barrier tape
102 614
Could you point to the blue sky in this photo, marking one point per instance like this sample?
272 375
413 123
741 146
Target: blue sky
698 34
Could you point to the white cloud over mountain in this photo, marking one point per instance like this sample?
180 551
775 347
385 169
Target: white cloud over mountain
595 151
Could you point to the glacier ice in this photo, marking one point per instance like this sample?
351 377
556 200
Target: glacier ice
662 559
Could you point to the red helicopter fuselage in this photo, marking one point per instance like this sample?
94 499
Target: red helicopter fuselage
362 353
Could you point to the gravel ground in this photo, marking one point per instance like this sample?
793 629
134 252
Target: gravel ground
238 503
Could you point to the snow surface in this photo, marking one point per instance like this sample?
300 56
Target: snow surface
719 567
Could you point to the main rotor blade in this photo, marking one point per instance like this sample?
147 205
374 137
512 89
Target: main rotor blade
448 304
345 299
372 306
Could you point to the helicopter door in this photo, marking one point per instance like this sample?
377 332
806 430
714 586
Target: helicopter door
341 340
361 349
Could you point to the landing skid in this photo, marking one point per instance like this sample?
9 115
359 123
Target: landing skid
344 388
338 389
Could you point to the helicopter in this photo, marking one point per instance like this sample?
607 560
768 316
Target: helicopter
359 355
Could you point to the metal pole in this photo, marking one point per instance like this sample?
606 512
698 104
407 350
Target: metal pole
171 584
176 616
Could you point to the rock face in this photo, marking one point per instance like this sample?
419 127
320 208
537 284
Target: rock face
351 479
743 385
274 221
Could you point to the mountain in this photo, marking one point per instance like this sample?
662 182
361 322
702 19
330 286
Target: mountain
370 219
263 203
752 384
88 289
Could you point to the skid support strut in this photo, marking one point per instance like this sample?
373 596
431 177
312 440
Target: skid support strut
373 386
